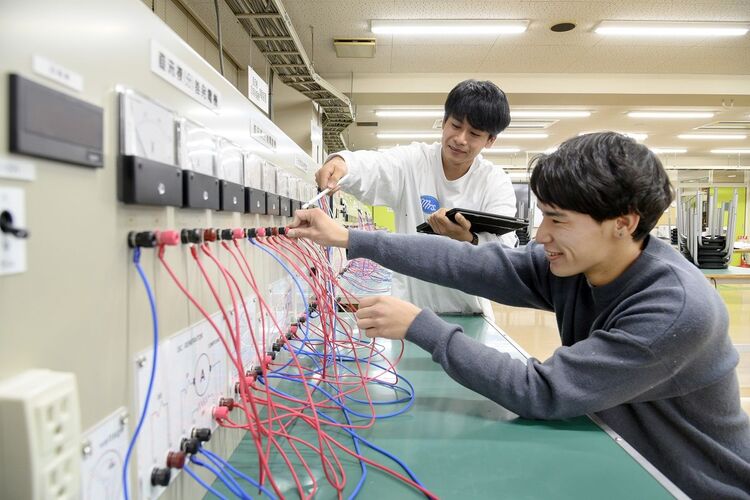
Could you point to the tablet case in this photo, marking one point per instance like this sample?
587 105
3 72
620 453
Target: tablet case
481 222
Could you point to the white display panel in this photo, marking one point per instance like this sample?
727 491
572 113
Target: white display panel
198 148
230 162
190 379
104 449
268 177
147 129
253 170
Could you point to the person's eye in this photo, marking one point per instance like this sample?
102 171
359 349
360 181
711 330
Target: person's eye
474 134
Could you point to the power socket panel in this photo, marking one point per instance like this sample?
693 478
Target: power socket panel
40 436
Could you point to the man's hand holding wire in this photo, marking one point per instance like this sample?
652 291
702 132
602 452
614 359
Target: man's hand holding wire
315 225
386 317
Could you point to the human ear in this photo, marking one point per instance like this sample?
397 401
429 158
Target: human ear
626 224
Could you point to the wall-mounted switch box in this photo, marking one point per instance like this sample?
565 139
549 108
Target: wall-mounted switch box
12 243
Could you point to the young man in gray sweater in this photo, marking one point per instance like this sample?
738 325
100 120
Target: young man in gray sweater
644 335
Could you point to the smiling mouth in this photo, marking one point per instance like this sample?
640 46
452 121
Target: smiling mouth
552 254
456 150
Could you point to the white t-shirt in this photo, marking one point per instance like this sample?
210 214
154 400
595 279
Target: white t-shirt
410 180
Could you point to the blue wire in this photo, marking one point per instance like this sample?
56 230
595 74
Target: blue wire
367 443
202 482
155 323
221 474
228 481
216 458
362 463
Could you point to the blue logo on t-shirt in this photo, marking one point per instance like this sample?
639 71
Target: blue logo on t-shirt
430 204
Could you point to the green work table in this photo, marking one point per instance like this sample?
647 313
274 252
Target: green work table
462 445
732 275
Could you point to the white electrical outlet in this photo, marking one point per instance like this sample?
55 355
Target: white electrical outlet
40 436
12 248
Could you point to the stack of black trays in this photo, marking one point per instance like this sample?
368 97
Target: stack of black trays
712 252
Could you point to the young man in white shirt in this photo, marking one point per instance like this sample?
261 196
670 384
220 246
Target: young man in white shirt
420 182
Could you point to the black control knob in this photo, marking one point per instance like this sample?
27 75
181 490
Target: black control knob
144 239
202 434
190 445
191 236
6 226
160 476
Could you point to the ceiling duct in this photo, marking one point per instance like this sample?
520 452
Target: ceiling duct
269 26
354 47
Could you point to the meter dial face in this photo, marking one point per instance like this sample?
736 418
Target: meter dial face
198 148
230 162
148 128
253 166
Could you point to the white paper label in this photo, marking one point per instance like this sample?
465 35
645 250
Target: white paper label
54 71
17 169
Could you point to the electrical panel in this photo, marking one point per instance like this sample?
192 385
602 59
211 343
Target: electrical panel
53 125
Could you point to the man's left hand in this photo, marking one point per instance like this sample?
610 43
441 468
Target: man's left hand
441 224
385 316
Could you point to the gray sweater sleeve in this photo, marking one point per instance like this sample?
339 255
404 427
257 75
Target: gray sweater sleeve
516 277
591 375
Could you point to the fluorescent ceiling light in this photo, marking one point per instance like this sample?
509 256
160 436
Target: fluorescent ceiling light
731 151
670 114
500 150
718 137
523 136
536 124
408 135
448 26
541 113
671 29
410 113
638 136
662 151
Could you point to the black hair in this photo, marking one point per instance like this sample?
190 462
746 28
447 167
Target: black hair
481 103
604 175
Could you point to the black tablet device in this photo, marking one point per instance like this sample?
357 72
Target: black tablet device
481 222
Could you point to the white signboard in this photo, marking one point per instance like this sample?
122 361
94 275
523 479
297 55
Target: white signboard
257 90
167 66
